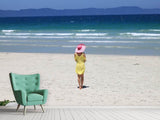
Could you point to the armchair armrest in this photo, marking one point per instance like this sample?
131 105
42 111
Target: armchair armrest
20 96
43 92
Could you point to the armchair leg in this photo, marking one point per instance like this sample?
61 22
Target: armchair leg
42 108
24 112
34 107
17 107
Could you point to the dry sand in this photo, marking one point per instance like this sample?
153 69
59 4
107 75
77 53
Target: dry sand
109 79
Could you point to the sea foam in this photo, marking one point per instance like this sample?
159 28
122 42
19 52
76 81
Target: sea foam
156 30
8 31
91 34
90 41
87 30
140 34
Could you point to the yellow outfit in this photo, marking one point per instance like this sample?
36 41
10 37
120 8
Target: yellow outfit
80 67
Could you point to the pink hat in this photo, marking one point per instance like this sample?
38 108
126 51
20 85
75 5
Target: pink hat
80 48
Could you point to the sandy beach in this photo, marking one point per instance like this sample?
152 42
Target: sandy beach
109 79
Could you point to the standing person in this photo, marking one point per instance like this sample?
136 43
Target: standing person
80 58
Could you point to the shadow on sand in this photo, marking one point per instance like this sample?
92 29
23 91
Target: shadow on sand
84 87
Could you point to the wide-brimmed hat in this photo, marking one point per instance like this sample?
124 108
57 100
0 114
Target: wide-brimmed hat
80 48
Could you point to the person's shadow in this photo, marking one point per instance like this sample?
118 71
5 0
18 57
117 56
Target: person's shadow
84 87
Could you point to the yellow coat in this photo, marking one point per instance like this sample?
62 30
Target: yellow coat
80 67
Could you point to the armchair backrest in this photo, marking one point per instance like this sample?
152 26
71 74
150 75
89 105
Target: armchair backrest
28 83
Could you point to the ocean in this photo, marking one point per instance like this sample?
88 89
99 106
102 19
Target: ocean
106 34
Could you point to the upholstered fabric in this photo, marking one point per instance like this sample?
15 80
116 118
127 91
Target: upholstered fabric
26 89
35 97
29 83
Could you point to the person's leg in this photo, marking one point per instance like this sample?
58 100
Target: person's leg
82 80
79 81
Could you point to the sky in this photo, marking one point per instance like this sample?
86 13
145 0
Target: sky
75 4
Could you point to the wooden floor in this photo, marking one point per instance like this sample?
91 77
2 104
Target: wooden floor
82 113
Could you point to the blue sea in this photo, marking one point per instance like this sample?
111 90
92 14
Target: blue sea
108 34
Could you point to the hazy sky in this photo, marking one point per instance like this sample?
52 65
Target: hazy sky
75 4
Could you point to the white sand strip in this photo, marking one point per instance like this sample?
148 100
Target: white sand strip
109 79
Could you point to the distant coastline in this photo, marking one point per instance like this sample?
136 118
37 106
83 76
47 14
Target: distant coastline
125 10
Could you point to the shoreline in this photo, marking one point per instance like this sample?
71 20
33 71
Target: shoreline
97 54
110 80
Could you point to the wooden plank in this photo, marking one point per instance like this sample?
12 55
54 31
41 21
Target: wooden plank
156 112
52 113
62 115
10 114
81 114
117 115
68 114
44 115
94 114
151 115
74 114
31 114
97 113
57 114
89 115
85 114
47 114
138 115
122 114
109 115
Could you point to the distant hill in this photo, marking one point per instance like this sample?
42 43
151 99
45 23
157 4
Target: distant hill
73 12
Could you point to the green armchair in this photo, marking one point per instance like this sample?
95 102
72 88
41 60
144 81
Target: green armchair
26 90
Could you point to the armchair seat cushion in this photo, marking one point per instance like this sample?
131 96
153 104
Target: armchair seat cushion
34 97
